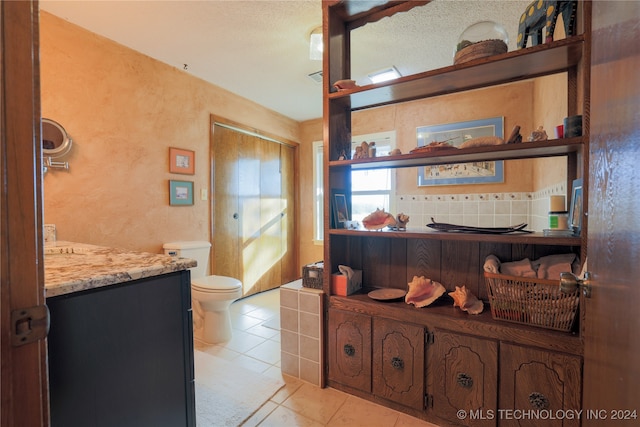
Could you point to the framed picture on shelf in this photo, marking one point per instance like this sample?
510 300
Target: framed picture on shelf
340 209
575 212
180 193
461 173
182 161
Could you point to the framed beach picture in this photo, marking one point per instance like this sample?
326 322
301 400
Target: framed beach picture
340 209
483 172
180 193
182 161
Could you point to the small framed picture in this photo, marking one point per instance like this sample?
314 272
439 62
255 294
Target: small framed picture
341 211
182 161
180 193
575 212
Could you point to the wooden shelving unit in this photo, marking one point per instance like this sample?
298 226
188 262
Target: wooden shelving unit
389 259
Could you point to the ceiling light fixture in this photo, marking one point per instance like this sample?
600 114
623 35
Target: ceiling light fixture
384 75
315 44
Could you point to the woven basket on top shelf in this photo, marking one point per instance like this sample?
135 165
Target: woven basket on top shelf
529 301
480 50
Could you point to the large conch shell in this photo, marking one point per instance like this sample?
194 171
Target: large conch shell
423 292
466 300
378 220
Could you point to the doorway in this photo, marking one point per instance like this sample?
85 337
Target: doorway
253 207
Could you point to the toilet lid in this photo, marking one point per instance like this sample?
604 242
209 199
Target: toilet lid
216 284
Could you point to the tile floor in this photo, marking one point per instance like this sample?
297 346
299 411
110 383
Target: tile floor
256 346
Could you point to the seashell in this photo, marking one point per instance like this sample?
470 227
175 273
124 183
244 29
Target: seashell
466 300
345 84
378 220
423 292
538 135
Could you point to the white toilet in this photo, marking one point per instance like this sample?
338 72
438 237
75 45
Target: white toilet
211 295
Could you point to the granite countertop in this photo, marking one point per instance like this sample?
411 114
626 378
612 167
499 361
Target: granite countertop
70 267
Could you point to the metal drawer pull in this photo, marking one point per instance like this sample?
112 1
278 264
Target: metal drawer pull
349 350
464 380
538 400
397 363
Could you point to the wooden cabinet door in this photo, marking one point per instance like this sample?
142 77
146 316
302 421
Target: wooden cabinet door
398 362
350 349
539 382
463 375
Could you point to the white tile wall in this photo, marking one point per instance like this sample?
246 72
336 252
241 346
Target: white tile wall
480 209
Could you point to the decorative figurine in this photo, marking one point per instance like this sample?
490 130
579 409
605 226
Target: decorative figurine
541 15
538 135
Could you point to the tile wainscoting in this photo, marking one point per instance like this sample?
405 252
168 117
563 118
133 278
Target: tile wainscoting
301 332
481 209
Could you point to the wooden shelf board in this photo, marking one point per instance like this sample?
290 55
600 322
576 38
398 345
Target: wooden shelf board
549 148
523 64
513 238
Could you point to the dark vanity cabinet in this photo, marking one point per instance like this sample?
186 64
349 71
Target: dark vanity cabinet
122 355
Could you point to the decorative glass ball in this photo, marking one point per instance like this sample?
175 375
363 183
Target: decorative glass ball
481 31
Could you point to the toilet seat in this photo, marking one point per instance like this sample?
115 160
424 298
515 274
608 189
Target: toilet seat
216 284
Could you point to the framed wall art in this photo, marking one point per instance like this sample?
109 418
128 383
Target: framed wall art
340 209
182 161
575 212
180 193
461 173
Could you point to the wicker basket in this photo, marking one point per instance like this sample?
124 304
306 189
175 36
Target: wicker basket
536 302
312 275
480 50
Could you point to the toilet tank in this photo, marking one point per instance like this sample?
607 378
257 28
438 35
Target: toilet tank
197 250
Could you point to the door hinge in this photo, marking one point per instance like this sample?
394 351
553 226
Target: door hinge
428 401
428 337
29 324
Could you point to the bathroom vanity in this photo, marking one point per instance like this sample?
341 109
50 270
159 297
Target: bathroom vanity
120 344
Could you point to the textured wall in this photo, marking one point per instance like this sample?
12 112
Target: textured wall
123 111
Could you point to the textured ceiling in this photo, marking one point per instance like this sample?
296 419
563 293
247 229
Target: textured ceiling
260 49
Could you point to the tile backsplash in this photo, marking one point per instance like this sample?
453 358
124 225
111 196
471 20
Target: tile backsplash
480 209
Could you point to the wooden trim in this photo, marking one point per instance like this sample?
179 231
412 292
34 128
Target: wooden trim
24 379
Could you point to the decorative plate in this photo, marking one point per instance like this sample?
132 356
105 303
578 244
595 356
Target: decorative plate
387 294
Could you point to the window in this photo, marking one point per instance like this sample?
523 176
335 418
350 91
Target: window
318 203
373 189
370 189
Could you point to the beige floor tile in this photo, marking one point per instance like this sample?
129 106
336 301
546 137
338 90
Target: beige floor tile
263 313
262 331
319 404
242 341
405 420
292 385
284 417
274 371
260 414
268 351
360 412
242 322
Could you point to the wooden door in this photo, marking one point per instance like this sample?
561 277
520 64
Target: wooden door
24 385
253 210
538 382
463 373
612 322
289 258
398 362
225 204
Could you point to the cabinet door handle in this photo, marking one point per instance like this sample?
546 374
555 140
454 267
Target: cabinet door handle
397 363
464 380
349 350
538 400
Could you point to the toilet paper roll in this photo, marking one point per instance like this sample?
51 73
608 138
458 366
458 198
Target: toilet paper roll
556 204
